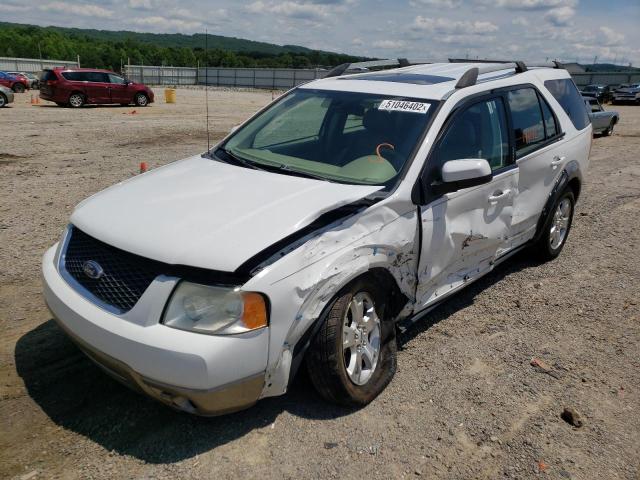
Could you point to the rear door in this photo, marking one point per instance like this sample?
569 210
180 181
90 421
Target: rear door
540 157
463 232
47 83
97 87
118 89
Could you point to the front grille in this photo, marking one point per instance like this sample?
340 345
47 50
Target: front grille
125 276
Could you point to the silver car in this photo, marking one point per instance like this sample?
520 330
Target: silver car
602 121
6 96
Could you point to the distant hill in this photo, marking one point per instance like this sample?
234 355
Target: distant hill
175 40
106 48
609 67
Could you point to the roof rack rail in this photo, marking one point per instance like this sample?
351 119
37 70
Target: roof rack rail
397 62
470 77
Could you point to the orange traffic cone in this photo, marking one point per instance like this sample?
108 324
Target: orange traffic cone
32 100
143 167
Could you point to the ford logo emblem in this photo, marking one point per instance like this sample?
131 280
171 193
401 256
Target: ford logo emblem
92 269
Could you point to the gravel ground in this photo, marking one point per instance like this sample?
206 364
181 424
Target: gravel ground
466 401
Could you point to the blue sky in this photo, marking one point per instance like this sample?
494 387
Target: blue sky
533 30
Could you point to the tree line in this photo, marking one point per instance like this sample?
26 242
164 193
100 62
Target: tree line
49 43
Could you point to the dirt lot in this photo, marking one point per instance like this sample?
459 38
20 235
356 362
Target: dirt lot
465 403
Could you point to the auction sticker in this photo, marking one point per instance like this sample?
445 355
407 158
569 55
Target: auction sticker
404 106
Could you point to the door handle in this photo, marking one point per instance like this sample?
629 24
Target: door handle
557 160
499 195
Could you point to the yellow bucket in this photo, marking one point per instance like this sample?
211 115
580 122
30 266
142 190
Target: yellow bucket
170 95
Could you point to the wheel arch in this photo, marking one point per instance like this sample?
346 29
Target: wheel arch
570 178
384 280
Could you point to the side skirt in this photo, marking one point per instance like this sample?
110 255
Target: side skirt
407 323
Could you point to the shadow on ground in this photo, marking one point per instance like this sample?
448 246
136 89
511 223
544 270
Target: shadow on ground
78 396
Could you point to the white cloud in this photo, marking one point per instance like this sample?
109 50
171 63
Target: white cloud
610 37
357 41
14 8
560 16
436 3
171 24
451 27
535 4
389 44
520 22
313 11
85 10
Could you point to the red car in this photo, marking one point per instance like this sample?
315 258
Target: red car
16 84
79 86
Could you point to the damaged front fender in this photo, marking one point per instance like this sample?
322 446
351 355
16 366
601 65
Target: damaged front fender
302 282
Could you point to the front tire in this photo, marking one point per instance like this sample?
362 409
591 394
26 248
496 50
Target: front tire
141 100
353 356
556 228
609 130
3 100
18 88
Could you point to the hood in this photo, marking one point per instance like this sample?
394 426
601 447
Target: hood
203 213
628 90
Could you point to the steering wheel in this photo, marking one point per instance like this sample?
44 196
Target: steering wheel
393 157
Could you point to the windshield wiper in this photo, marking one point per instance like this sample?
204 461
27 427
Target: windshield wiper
236 160
299 173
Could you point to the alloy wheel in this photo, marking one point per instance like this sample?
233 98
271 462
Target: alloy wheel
560 223
361 338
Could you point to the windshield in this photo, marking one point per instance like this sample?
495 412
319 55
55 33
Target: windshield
347 137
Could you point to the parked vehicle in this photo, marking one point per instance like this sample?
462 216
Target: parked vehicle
16 84
601 92
77 87
345 208
30 78
602 121
6 96
23 79
627 94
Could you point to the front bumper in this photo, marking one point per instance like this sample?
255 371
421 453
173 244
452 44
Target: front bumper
9 94
202 374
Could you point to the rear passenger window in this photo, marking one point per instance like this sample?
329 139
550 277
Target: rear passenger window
75 76
550 126
97 77
480 131
527 120
567 95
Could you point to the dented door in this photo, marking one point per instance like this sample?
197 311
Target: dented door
464 231
462 234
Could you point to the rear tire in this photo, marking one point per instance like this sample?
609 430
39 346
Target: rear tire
76 100
141 100
353 356
18 88
556 228
3 100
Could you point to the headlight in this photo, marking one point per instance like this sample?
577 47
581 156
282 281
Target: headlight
219 310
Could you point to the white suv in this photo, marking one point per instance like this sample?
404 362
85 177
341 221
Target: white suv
348 205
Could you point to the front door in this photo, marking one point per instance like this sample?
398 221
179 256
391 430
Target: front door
119 89
463 232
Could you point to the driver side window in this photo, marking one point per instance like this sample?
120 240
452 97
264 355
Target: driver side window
480 131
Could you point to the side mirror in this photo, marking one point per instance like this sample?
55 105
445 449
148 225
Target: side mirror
464 173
